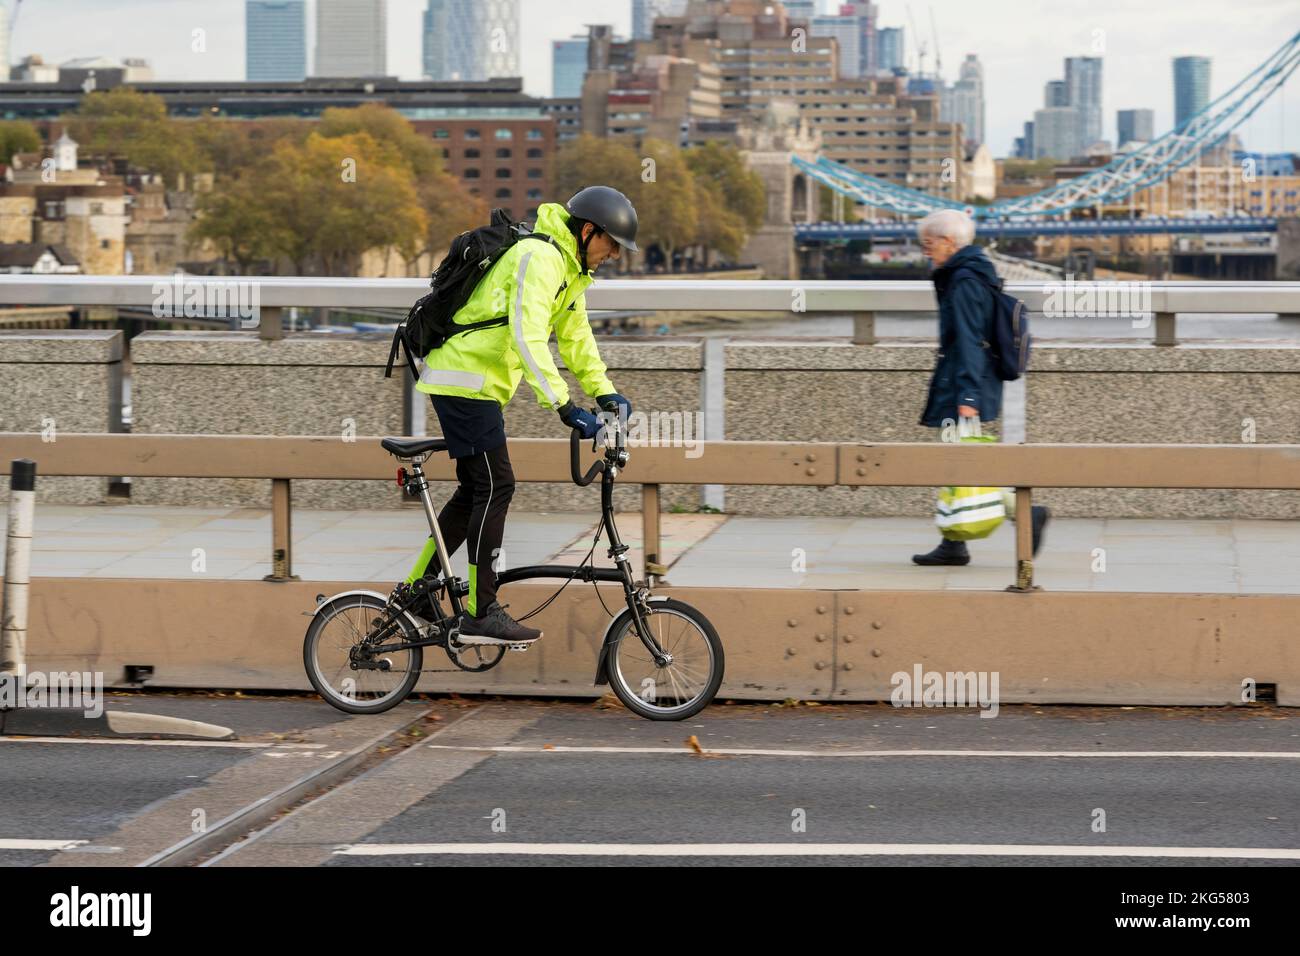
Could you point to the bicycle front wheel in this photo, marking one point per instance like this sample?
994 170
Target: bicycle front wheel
682 687
352 673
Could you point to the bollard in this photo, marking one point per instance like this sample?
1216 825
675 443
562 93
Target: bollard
18 557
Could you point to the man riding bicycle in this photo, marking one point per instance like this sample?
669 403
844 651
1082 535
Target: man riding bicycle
540 287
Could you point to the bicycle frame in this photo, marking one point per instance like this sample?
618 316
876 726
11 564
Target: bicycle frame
637 598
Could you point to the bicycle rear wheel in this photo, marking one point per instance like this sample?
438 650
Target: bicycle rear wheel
353 675
681 688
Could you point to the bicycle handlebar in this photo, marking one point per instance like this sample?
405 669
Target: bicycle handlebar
615 455
574 465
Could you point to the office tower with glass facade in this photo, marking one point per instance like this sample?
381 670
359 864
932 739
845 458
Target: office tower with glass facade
889 49
1191 87
472 40
1135 126
568 67
275 40
351 38
1083 92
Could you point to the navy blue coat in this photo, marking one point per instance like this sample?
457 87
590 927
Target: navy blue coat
964 372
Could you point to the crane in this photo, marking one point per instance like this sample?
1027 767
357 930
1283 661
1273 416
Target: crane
13 17
938 56
920 43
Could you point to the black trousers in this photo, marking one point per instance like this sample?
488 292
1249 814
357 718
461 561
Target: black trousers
476 516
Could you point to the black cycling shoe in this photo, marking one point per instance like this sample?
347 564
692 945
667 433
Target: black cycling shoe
948 552
495 626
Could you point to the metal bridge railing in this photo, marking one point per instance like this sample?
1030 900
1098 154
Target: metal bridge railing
793 299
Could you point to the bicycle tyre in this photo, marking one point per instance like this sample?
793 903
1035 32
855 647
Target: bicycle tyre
372 604
617 674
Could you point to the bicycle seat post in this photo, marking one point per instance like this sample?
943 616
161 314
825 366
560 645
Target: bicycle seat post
421 485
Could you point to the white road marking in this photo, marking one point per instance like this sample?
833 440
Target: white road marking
228 744
809 849
41 844
748 752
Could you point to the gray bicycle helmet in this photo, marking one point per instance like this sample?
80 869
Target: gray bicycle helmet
608 209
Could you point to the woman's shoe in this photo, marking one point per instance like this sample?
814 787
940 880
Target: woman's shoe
948 552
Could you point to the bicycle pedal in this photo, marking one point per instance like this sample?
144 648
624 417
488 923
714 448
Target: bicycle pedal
519 647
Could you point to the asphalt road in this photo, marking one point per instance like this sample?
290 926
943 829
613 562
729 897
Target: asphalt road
523 782
527 782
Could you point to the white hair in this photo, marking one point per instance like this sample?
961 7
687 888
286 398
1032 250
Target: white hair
949 223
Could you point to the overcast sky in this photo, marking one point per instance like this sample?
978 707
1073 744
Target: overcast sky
1022 44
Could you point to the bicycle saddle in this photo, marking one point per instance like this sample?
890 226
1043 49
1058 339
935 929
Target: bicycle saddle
410 447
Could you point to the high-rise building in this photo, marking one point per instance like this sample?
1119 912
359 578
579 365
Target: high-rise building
865 12
1135 126
801 9
275 40
472 40
847 32
1191 87
1055 94
889 49
1056 133
568 67
1025 142
351 38
963 102
432 45
645 11
1083 90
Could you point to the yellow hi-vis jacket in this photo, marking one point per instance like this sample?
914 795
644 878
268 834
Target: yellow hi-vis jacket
540 287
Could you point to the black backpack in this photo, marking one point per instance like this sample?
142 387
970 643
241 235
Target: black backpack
1010 340
472 254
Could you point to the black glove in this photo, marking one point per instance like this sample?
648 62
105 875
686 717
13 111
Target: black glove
587 424
624 406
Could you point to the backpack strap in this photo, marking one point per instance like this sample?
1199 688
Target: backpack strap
400 339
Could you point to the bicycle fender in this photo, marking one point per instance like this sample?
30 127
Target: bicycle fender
603 661
360 591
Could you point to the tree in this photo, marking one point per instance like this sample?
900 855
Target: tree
448 207
236 221
732 198
392 133
449 210
133 125
228 147
668 210
588 161
17 136
720 229
324 201
337 197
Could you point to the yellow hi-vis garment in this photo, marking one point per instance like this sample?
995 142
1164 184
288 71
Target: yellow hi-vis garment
540 287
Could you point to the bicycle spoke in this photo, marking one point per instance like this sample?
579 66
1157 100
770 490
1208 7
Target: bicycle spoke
678 685
340 633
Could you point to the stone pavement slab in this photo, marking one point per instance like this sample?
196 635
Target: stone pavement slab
718 550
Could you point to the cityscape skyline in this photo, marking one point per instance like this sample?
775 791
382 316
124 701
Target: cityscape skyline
1138 71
